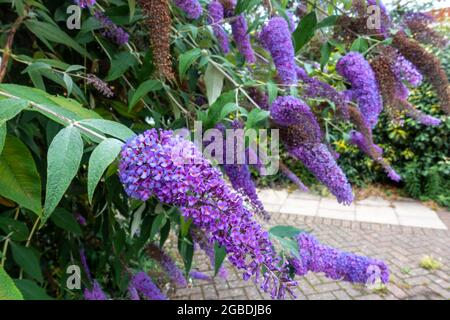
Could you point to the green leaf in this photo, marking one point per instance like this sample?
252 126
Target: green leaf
64 157
20 180
65 220
285 231
305 30
120 63
255 116
219 257
227 109
2 136
9 108
360 45
69 83
213 82
215 110
164 234
137 220
18 229
49 32
143 89
132 7
272 90
112 128
28 260
327 22
186 249
36 66
158 222
325 52
245 6
186 60
66 107
31 291
185 225
101 158
8 289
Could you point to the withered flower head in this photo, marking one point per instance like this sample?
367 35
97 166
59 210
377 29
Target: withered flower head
158 22
428 65
419 25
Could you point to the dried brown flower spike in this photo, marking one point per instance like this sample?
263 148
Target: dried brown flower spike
159 22
427 64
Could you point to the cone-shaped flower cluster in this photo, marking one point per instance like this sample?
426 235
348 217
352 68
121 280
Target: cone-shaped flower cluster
145 286
276 38
239 174
110 30
356 70
159 21
427 64
169 266
336 264
85 3
242 38
172 169
314 88
192 8
95 293
216 14
302 136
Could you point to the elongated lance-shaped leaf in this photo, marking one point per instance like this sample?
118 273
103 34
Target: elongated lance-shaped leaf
101 158
9 108
64 157
20 180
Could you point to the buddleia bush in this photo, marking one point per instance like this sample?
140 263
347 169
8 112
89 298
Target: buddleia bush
101 196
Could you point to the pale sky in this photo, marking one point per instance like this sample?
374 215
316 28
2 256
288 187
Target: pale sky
436 3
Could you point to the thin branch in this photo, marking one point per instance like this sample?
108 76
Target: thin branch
8 46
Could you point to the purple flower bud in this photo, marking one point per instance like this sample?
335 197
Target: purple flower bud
85 3
216 14
111 30
336 264
96 293
276 38
142 282
242 38
192 8
356 70
199 276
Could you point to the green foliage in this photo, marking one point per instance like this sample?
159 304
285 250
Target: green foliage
8 290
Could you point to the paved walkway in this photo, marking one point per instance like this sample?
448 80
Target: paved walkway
389 236
373 209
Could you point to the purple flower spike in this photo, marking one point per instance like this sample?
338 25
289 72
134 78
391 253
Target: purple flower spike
315 88
288 111
216 14
242 38
276 38
406 71
85 3
318 159
142 282
359 140
96 293
199 276
111 30
356 70
192 8
336 264
171 169
133 293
